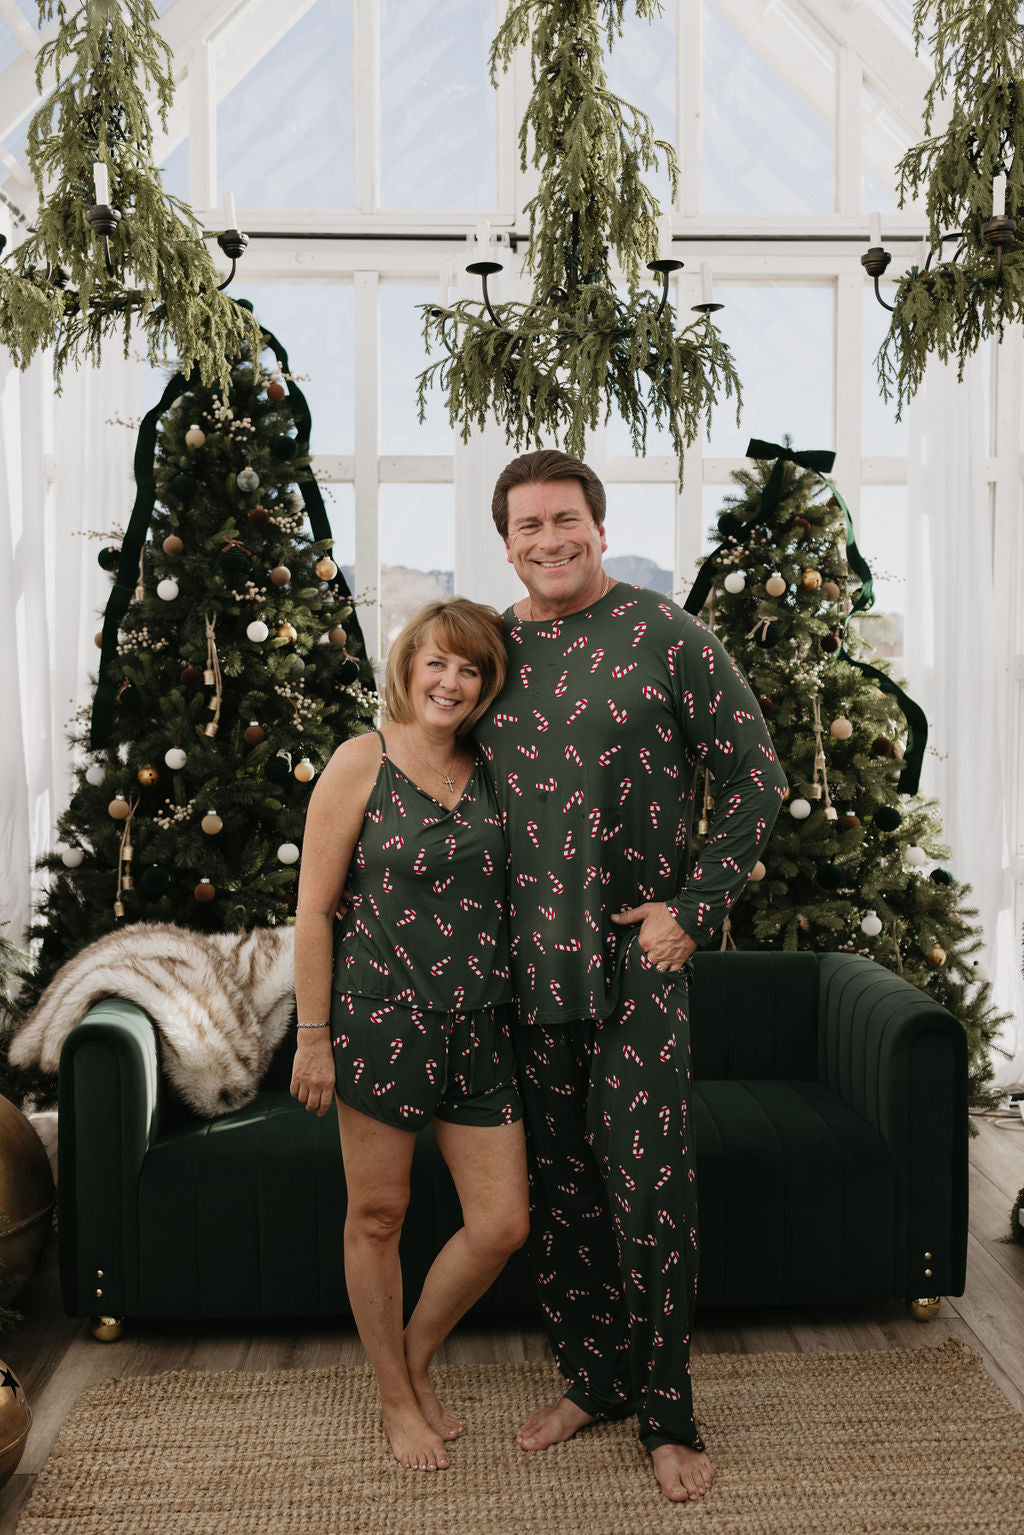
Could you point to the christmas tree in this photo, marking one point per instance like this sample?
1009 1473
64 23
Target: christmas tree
232 666
856 862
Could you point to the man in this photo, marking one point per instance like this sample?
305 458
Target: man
614 697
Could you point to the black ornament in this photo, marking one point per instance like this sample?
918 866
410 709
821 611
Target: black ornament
767 636
278 770
107 559
888 818
348 671
184 487
728 525
284 447
155 881
941 876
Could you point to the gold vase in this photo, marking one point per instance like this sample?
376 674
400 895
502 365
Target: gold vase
26 1200
15 1422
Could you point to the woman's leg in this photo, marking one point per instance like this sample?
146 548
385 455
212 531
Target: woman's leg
488 1167
377 1159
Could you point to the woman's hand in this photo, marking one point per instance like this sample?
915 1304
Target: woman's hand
313 1071
661 938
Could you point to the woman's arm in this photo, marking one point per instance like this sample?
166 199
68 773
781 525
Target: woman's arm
334 822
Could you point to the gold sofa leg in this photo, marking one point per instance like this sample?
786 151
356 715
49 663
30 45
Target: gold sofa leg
925 1308
106 1328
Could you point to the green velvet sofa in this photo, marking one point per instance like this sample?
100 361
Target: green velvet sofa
830 1115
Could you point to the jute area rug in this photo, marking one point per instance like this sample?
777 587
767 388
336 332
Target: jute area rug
902 1440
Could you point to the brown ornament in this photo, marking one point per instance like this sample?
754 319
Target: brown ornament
831 642
119 808
757 873
172 544
212 823
337 635
810 580
326 569
259 516
254 733
97 639
204 891
849 822
936 957
191 677
147 775
287 631
881 746
802 524
775 585
195 437
766 705
280 575
275 390
831 591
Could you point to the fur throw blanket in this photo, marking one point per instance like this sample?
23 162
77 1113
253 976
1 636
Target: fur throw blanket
221 1004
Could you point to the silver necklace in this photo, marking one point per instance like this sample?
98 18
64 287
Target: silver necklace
529 601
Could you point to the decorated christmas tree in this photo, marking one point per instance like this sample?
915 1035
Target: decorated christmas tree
856 861
232 666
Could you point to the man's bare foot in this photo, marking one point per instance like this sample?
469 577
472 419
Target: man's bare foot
685 1474
553 1424
440 1418
413 1442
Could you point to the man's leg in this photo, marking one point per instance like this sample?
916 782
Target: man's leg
573 1248
640 1130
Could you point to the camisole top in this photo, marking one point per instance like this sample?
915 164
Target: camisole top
426 921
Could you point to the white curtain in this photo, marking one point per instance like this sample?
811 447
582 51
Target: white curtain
65 476
953 665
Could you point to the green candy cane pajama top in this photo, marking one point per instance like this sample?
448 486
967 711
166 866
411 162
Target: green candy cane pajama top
594 742
421 976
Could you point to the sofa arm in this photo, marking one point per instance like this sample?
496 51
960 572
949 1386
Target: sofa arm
900 1060
110 1092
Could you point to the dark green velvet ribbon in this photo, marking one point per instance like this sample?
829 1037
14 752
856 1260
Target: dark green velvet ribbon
127 575
820 461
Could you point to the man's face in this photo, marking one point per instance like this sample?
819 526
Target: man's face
555 546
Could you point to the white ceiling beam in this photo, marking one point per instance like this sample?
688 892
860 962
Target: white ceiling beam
26 34
892 66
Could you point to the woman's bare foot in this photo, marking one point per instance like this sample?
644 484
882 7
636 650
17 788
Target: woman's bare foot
553 1424
440 1418
413 1442
685 1474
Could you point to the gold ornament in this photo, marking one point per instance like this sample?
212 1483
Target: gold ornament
775 585
337 635
287 631
280 575
304 770
212 823
26 1199
757 873
326 569
119 808
172 544
15 1422
147 775
204 891
811 580
936 957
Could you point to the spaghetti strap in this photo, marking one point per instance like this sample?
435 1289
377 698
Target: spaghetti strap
383 746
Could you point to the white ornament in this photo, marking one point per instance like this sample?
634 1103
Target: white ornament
799 809
288 853
71 857
257 631
175 758
247 479
979 972
95 774
167 589
916 856
734 582
871 925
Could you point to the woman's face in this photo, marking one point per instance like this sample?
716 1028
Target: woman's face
443 688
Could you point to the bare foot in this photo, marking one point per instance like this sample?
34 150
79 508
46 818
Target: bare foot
553 1424
441 1419
685 1474
413 1442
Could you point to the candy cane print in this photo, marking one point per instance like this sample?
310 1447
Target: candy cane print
359 1066
664 1174
642 1097
630 1054
665 1115
598 657
581 704
561 684
572 755
620 715
670 1262
638 1150
624 671
606 756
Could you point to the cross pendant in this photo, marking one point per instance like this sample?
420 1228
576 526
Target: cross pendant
449 784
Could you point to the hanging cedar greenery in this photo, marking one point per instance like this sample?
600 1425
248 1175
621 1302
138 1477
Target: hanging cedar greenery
950 307
553 368
105 56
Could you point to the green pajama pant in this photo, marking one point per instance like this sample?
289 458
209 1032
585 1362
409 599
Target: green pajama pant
613 1241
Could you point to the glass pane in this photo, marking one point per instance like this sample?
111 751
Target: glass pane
437 105
417 551
659 439
882 539
313 322
175 179
641 535
340 505
402 359
768 115
881 433
641 69
781 336
284 134
30 10
883 144
10 48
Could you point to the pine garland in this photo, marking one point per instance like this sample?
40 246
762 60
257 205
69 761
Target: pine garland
950 308
106 54
553 368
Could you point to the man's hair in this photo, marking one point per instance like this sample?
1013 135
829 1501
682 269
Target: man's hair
461 627
537 469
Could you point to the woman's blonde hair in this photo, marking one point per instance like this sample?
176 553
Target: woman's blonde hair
461 627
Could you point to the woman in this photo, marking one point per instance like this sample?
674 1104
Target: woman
401 1018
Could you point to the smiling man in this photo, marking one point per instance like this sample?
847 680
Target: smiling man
614 696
